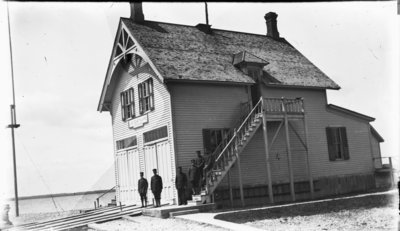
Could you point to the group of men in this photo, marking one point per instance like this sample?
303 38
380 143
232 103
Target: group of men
156 186
196 179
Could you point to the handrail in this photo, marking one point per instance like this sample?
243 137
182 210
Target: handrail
280 105
98 198
235 133
383 158
228 135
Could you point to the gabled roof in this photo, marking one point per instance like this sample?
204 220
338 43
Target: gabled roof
183 52
376 134
350 112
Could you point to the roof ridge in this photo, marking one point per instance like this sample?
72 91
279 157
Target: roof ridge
176 24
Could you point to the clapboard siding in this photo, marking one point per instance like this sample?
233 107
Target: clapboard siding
375 146
318 118
199 106
160 116
253 159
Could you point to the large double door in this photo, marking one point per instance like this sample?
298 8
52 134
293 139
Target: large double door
158 156
128 168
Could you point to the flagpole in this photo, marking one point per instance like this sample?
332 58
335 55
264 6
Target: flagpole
13 124
206 13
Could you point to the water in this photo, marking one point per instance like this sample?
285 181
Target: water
59 203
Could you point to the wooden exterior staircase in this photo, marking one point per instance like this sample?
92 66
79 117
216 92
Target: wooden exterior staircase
227 153
229 150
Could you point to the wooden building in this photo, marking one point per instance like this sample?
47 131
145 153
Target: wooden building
253 102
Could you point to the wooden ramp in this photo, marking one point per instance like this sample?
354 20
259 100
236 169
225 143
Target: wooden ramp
80 220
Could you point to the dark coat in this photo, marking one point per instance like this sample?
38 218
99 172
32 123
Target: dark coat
200 161
194 173
156 183
180 181
143 185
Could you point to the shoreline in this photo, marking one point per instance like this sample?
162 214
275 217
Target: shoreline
60 194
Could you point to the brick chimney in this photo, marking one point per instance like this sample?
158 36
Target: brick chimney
272 28
136 11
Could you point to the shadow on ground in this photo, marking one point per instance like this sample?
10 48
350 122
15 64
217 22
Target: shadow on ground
367 202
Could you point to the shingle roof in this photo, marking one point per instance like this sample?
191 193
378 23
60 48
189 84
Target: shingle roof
350 112
185 52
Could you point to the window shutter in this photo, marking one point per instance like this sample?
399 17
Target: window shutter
344 143
140 92
330 137
122 106
151 93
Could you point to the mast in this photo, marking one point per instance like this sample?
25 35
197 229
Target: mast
13 124
206 13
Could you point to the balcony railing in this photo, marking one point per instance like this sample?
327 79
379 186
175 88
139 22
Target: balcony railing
383 163
282 105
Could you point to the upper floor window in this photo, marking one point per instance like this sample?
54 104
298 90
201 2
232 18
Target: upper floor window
127 104
146 96
155 134
337 143
126 143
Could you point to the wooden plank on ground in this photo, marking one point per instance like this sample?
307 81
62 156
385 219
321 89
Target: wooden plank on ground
87 219
99 219
90 213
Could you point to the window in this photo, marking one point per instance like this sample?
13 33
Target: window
213 137
127 104
155 134
146 96
126 143
337 143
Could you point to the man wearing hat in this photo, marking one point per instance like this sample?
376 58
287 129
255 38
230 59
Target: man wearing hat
200 162
142 188
156 187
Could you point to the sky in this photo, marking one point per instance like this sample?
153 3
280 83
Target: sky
61 52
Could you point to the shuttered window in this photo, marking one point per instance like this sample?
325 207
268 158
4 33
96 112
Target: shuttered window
155 134
127 104
146 96
127 142
338 147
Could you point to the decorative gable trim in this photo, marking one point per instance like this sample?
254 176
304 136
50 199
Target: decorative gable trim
126 48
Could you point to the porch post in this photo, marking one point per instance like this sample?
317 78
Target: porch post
239 169
240 180
289 152
230 188
308 166
269 178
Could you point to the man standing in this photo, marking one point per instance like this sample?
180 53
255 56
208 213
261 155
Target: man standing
200 162
180 184
142 188
194 176
156 187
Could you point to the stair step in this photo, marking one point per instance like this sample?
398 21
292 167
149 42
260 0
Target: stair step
111 204
194 203
183 212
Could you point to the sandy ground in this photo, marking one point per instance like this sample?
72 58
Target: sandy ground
362 219
377 212
157 224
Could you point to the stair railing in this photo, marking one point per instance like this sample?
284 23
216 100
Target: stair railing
231 147
97 201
